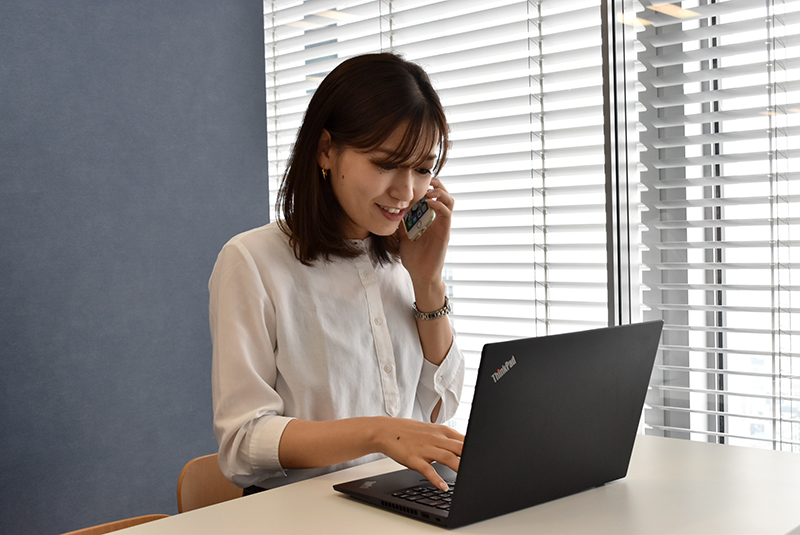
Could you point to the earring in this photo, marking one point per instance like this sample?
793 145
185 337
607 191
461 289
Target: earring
325 174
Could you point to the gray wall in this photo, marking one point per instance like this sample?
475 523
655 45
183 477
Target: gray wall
132 146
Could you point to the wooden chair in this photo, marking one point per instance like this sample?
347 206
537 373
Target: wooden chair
201 484
116 525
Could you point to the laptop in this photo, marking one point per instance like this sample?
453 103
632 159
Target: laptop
551 416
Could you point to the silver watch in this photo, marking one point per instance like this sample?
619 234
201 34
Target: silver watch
444 311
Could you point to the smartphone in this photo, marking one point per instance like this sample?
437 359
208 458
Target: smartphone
418 218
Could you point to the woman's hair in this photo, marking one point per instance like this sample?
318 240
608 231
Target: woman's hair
360 103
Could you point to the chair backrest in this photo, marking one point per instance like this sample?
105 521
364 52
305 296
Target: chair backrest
201 484
116 525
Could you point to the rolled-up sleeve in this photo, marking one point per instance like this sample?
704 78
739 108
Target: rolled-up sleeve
248 412
443 382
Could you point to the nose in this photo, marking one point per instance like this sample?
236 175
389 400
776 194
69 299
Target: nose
402 186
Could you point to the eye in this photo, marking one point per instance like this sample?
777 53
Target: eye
385 166
423 171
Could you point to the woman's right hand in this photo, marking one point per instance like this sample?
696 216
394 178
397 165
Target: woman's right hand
417 444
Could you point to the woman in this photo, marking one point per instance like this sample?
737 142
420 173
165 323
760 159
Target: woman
330 329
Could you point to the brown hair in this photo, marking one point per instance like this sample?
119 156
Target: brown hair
360 103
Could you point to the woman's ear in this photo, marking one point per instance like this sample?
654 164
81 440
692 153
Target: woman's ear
325 150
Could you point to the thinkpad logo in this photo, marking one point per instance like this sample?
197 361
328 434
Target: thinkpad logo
501 371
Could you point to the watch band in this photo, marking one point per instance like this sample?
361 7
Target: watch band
444 311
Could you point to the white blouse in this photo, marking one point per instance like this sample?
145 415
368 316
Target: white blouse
334 340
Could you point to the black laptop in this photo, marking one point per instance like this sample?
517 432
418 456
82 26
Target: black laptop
551 416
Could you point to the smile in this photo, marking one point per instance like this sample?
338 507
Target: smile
391 210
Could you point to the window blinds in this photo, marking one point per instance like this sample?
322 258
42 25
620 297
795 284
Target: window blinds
521 82
722 102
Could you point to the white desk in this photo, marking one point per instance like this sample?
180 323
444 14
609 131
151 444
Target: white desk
673 486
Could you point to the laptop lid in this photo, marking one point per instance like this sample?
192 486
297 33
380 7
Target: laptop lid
551 416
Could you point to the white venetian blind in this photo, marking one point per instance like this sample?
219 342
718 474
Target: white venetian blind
723 134
521 82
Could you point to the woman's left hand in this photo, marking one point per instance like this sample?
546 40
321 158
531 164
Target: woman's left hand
423 258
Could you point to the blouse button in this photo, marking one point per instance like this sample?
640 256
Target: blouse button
367 274
387 368
378 321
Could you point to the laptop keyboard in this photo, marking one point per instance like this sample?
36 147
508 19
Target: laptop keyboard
427 495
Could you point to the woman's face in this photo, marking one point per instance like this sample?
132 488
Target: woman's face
373 193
